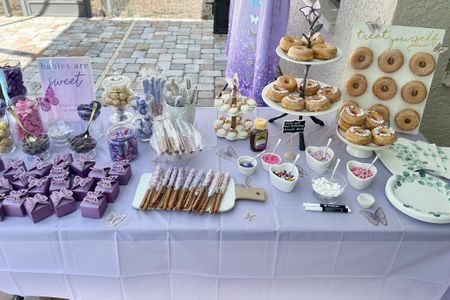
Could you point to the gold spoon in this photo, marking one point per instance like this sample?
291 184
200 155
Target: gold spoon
29 136
86 134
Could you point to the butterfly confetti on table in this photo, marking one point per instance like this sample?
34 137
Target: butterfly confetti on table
254 19
374 26
228 153
250 216
48 100
439 49
375 218
113 219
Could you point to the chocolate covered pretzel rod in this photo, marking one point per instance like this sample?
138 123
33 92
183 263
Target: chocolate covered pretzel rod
154 182
169 190
176 189
219 195
199 193
193 189
161 190
185 189
211 192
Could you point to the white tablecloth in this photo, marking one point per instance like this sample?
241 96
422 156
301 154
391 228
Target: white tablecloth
286 253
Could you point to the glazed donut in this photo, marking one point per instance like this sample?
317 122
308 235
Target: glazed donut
276 93
356 85
383 110
324 51
373 119
382 135
390 60
293 102
353 115
288 82
312 87
422 64
384 88
361 58
288 41
317 103
358 135
331 92
343 125
301 53
347 103
414 92
407 119
315 40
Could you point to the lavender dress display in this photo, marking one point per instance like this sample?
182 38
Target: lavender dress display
255 28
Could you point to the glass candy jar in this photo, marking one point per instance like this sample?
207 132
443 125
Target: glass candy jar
122 142
144 121
118 94
13 76
7 144
27 110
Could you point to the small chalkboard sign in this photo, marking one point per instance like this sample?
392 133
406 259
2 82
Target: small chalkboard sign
293 126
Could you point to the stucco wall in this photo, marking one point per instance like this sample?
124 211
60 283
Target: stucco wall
436 123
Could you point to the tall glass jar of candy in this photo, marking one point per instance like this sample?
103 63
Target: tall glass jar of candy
13 75
118 94
27 111
122 142
7 144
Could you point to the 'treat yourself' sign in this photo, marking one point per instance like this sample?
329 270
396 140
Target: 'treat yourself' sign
66 82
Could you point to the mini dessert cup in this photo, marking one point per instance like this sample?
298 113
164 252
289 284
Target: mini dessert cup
270 159
359 178
281 183
39 148
313 159
246 165
328 191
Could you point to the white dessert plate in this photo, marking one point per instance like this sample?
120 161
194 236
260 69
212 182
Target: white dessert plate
277 106
313 62
360 151
420 196
234 192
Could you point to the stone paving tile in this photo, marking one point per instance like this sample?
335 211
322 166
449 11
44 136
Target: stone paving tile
178 48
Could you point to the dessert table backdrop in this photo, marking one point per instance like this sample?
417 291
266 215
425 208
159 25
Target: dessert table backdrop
286 253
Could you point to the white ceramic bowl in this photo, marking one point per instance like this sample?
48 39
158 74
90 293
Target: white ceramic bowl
246 171
319 167
356 182
281 184
267 166
365 200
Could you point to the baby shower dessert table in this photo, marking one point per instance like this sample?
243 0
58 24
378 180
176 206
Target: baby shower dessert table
284 253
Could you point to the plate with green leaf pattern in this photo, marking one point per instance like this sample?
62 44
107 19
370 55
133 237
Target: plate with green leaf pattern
420 196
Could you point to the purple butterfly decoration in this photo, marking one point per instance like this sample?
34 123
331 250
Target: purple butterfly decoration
48 100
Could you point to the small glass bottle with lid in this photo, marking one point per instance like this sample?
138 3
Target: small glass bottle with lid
118 94
259 135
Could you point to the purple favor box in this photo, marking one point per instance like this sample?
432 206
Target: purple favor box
58 183
63 202
5 186
81 166
11 166
63 157
81 186
2 211
38 207
93 205
99 172
20 179
38 186
40 169
121 169
110 187
13 203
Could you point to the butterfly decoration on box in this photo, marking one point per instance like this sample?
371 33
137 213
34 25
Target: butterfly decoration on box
377 217
48 100
374 26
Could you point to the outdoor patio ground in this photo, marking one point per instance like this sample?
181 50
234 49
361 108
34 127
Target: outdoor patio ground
179 48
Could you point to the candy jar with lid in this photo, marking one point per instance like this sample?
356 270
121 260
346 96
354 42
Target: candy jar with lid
27 111
13 75
118 94
122 142
144 121
7 144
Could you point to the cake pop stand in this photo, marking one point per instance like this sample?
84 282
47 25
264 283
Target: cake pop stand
359 151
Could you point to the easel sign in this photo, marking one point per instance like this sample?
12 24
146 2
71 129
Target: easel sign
69 81
409 41
292 127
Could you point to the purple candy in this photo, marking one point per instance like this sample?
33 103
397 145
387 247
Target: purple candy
123 143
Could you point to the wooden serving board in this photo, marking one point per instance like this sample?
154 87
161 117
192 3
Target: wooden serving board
234 192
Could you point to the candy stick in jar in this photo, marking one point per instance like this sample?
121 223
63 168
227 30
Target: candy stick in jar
201 191
154 182
162 189
176 188
193 188
185 188
221 191
211 192
169 190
